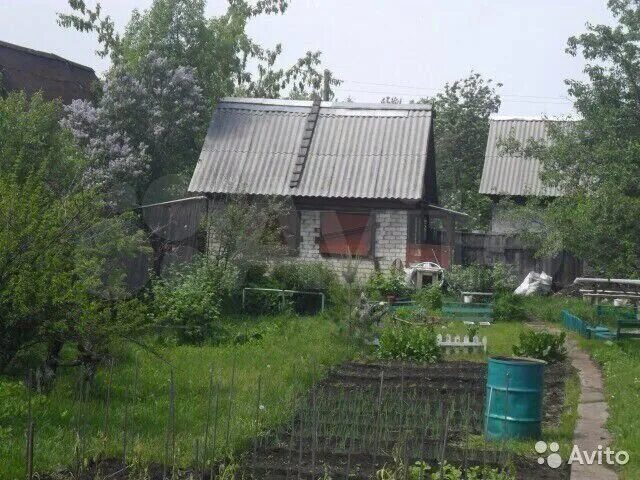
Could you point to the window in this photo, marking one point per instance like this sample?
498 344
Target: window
425 228
348 234
290 231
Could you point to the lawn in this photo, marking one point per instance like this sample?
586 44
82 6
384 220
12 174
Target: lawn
620 363
290 352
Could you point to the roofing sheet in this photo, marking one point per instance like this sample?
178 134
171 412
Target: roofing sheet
357 150
511 173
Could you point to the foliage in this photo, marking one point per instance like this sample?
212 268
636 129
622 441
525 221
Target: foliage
548 309
403 341
245 232
542 345
379 285
508 307
422 471
595 161
473 330
309 276
187 300
620 364
148 123
365 318
429 298
477 278
61 262
218 49
462 129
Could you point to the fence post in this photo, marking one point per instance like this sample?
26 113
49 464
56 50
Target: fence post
30 429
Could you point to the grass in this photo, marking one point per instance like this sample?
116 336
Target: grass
501 336
548 309
620 364
291 352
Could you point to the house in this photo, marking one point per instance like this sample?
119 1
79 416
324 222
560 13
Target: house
510 174
361 177
31 70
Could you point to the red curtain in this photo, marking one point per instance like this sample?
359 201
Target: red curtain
345 233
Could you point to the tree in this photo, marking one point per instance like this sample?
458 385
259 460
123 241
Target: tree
61 276
169 67
462 127
595 161
218 49
147 124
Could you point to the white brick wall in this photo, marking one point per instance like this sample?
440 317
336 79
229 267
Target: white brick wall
390 237
390 243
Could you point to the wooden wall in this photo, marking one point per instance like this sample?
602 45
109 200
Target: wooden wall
487 249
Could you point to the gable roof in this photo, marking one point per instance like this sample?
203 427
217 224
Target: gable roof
374 151
30 70
511 173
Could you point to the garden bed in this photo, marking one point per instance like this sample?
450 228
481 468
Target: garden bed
364 416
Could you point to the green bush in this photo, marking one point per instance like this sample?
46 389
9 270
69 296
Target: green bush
401 341
308 276
429 298
303 276
187 301
379 285
542 345
479 278
508 307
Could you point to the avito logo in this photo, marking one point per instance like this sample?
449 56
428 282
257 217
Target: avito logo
582 457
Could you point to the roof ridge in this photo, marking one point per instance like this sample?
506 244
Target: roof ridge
40 53
283 102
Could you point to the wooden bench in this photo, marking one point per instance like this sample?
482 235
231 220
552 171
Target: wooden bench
623 324
480 312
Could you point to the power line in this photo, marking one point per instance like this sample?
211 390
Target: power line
431 89
398 94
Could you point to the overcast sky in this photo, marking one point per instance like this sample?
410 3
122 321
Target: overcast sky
405 48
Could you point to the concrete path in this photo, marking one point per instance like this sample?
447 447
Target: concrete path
590 431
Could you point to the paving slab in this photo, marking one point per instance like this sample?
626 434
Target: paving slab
590 431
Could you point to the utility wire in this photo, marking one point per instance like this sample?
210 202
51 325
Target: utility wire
431 89
398 94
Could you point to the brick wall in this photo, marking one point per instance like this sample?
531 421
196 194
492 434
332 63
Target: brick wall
390 242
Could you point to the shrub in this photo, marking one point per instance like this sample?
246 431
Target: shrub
478 278
380 285
308 277
503 279
508 307
429 298
542 345
188 300
402 341
375 285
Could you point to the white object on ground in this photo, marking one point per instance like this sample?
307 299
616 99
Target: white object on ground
429 267
534 283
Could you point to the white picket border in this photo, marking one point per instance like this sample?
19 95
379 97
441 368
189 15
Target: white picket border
450 343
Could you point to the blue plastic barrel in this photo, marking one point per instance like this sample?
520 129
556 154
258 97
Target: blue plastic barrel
513 403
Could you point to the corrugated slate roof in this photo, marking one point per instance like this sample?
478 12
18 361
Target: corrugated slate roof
357 150
513 174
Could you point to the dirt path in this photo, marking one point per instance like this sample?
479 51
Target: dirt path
590 431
